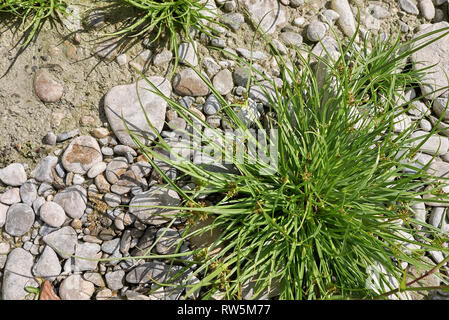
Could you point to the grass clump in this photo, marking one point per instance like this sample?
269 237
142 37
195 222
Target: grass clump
168 19
32 13
334 218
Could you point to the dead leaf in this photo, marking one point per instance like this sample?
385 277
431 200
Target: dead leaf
47 292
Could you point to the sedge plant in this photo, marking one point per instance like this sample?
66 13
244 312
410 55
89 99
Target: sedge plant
323 206
33 13
172 20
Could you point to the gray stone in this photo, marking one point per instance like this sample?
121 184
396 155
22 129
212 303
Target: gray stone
50 139
188 53
114 279
177 124
74 287
409 7
315 31
346 20
427 9
233 20
241 76
19 219
3 211
63 136
73 200
435 54
377 11
113 200
222 82
140 205
96 169
95 278
279 46
188 83
81 154
149 271
330 16
10 196
111 246
124 100
52 214
107 49
28 192
251 55
268 14
63 241
437 216
263 92
434 145
212 105
211 67
47 266
104 294
37 204
440 107
43 171
13 175
89 251
17 275
115 169
168 241
122 150
162 58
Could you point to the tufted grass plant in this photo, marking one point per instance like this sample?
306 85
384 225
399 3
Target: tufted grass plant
173 20
32 13
334 218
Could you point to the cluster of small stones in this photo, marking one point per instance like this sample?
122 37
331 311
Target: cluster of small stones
71 203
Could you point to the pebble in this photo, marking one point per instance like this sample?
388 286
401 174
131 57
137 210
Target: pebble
95 278
140 205
123 99
3 211
10 196
92 239
50 139
74 287
73 200
114 279
149 271
187 53
17 275
162 58
427 9
222 82
122 150
96 169
52 214
188 83
440 107
63 136
434 145
81 154
233 20
37 204
19 219
115 169
279 46
103 294
346 20
218 42
63 241
330 16
43 171
252 55
409 7
78 179
168 241
28 192
299 21
46 87
212 105
241 76
377 11
89 251
210 66
47 266
112 200
316 30
107 151
425 125
13 175
267 14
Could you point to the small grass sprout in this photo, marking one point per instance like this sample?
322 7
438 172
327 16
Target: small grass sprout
33 13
